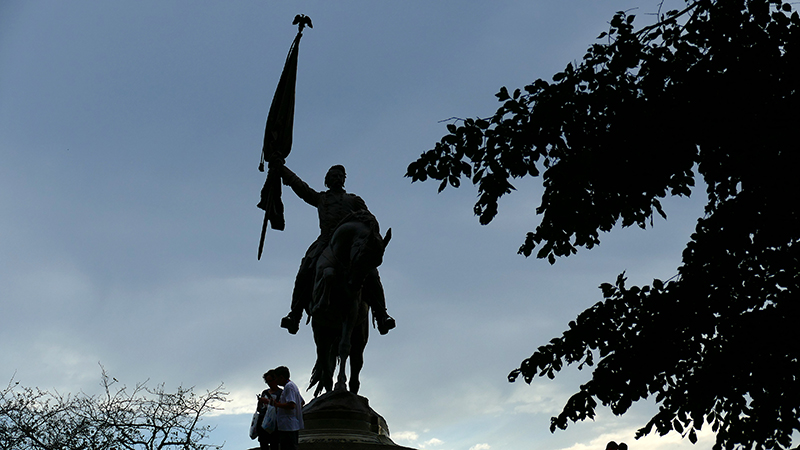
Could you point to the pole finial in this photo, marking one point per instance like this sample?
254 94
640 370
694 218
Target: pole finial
301 20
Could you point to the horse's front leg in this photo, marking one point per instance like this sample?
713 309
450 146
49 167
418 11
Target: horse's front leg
344 353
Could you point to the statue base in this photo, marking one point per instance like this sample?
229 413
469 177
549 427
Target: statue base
342 420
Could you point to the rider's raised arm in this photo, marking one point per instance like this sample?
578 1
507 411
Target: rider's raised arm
303 190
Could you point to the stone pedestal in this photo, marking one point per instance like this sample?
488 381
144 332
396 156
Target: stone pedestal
341 420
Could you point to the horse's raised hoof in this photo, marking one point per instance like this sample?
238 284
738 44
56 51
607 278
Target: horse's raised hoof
292 325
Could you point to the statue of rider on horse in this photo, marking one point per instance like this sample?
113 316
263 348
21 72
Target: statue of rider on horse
338 281
332 205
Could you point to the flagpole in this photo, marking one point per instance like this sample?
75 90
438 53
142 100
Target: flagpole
278 136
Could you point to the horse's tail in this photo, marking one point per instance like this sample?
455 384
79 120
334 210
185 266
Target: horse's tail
316 376
321 376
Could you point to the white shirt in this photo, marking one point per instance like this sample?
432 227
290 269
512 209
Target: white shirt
291 419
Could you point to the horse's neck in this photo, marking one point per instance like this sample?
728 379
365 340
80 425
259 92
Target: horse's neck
342 241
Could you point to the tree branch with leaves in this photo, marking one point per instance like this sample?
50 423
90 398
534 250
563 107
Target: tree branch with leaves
709 92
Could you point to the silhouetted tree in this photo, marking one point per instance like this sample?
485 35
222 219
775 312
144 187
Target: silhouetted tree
140 419
712 89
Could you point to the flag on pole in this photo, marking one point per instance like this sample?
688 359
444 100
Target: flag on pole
278 140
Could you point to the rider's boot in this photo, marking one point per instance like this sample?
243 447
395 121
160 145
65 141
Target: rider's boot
376 300
303 283
292 321
385 321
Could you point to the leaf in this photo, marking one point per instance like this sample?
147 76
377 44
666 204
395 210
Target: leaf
503 94
658 284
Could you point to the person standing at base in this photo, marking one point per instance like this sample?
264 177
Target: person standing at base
290 410
268 440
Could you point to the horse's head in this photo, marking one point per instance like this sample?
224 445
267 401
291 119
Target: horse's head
367 251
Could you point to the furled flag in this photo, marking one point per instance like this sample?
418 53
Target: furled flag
278 137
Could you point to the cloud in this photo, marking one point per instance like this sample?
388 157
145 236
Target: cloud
412 436
405 436
671 441
539 397
238 401
480 447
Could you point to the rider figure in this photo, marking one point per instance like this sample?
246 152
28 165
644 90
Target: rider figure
332 206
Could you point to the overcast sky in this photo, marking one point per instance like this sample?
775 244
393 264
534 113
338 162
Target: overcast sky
130 135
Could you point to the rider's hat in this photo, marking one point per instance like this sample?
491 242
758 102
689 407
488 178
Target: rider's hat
338 167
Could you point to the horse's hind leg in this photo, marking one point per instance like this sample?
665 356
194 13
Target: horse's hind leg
356 363
326 383
344 352
359 342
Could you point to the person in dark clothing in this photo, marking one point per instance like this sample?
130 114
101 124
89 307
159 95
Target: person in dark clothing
268 440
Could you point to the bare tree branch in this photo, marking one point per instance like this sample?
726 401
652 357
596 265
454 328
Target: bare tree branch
140 419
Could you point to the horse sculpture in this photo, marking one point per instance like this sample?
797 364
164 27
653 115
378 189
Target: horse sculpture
338 312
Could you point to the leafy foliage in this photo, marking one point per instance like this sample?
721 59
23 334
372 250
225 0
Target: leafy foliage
712 88
141 419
